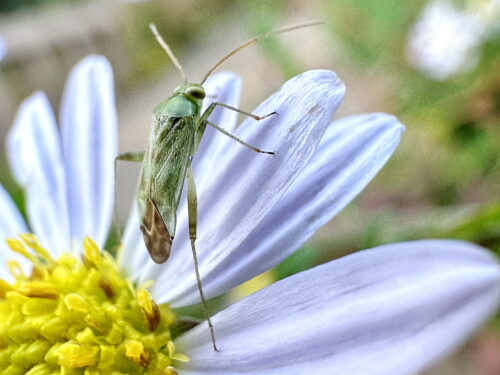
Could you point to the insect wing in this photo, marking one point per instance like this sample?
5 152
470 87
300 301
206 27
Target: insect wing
162 179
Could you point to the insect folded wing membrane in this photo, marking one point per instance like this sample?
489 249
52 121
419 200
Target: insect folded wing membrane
164 170
157 238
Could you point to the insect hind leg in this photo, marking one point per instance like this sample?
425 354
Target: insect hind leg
192 214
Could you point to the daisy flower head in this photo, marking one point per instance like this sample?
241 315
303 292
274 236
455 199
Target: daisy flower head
65 308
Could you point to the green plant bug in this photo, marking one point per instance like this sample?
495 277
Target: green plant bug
177 130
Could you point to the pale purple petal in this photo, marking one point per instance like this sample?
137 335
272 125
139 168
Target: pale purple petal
11 225
134 254
89 133
11 221
34 152
246 185
395 309
350 154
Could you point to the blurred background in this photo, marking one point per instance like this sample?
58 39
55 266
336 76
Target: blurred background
435 64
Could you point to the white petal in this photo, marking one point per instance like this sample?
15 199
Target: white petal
134 254
89 131
395 309
35 157
11 221
246 185
350 154
11 225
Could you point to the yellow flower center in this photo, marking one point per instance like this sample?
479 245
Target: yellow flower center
72 316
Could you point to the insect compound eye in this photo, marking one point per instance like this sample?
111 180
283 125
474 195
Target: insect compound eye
196 92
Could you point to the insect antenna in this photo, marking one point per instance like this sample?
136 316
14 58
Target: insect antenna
256 39
167 49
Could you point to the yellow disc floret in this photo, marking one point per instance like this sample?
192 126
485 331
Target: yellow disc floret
72 316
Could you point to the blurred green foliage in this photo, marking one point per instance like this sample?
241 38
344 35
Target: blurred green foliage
460 114
265 16
482 228
179 24
299 261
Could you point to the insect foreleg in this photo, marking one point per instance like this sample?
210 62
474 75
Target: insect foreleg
238 139
192 214
127 156
212 106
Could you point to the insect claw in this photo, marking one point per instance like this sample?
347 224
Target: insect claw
268 115
264 152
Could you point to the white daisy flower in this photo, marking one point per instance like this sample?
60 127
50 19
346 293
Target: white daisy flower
395 309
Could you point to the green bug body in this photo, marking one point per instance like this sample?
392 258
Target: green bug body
166 160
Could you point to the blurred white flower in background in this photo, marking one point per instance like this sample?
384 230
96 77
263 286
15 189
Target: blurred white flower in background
445 40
